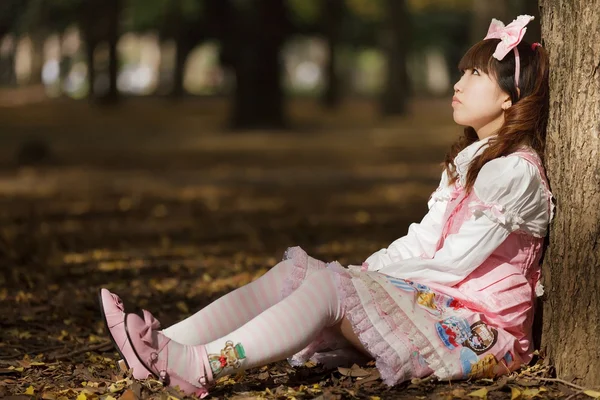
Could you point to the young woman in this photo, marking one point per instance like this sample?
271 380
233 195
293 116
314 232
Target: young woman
453 298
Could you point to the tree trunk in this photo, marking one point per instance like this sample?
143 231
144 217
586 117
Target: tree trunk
396 37
571 269
332 15
8 50
112 14
183 49
90 46
38 38
258 98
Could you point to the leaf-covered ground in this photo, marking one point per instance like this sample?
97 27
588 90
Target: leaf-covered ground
156 202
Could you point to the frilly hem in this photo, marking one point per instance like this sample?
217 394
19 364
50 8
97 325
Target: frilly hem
442 193
394 366
497 213
302 262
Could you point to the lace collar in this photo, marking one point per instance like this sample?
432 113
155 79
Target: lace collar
466 155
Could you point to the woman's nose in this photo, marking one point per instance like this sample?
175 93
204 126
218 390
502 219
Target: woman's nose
457 86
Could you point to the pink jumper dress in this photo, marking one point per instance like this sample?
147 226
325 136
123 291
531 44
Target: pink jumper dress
478 328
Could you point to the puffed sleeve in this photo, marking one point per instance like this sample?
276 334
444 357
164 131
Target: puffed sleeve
510 192
422 238
508 196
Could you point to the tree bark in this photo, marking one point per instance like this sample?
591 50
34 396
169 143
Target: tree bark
571 268
396 37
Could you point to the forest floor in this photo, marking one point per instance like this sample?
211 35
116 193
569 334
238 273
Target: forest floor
159 203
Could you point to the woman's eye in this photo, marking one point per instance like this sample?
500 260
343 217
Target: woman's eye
475 71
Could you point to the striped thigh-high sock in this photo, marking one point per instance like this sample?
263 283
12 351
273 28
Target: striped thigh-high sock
235 308
276 334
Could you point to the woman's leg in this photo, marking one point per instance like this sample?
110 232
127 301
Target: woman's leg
235 308
275 334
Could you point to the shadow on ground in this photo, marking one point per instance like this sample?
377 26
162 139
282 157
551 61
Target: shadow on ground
160 204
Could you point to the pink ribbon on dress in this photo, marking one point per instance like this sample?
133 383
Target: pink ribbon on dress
151 324
496 209
456 191
510 36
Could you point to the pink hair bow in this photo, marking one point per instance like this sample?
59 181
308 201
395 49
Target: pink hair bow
151 324
510 36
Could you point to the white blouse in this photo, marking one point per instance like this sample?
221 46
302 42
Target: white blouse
515 198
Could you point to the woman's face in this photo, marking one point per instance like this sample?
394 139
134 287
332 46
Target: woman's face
478 102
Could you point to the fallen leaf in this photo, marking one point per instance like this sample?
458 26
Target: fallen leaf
30 391
263 376
48 396
375 375
514 393
181 306
530 393
118 386
129 395
526 382
480 393
137 389
592 393
37 363
355 371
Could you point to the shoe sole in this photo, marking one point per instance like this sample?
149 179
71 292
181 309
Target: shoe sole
112 339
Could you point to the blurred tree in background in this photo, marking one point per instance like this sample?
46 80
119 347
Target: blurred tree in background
386 49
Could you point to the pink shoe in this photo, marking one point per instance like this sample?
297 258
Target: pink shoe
113 314
150 347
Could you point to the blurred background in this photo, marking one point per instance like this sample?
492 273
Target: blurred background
173 146
257 53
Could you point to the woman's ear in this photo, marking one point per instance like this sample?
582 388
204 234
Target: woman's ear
506 104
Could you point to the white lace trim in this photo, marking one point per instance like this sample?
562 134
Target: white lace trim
440 194
464 158
552 201
539 289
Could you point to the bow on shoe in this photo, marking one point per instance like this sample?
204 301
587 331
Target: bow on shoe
151 324
118 302
510 35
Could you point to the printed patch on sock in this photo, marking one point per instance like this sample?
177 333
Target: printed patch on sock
231 357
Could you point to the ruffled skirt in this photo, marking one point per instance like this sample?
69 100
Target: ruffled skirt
409 329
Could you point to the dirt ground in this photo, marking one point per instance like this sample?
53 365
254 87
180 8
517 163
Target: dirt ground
161 204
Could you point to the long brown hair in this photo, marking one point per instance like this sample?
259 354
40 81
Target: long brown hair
524 122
